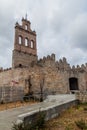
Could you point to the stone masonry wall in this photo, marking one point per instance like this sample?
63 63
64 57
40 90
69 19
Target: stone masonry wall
11 94
82 96
46 72
23 59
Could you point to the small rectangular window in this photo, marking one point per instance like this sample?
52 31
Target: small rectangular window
32 44
26 42
20 40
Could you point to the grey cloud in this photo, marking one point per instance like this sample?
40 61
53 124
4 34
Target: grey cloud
61 27
78 32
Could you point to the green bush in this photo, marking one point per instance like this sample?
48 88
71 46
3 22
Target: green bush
20 126
85 108
2 102
84 103
40 120
81 124
37 124
27 97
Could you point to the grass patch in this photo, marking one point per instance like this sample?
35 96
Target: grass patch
69 119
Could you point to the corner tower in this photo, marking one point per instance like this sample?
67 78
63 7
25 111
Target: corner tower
25 50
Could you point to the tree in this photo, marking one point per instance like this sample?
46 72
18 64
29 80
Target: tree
41 89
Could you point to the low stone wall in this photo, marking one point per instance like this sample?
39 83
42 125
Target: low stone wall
82 96
51 112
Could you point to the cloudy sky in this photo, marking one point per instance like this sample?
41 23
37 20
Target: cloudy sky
61 27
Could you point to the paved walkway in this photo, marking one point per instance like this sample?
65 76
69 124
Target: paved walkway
7 117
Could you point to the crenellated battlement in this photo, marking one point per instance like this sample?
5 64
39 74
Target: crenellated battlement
7 69
1 69
49 57
79 68
45 60
62 64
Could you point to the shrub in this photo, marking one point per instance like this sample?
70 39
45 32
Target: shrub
85 108
2 102
37 124
28 97
40 120
20 126
81 124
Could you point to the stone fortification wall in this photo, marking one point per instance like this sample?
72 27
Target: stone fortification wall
82 96
62 64
82 68
53 81
52 75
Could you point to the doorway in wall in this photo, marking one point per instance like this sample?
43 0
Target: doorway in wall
73 83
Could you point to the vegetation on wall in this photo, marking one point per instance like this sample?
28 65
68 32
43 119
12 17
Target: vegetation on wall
37 124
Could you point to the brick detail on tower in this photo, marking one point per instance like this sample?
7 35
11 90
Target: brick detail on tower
25 50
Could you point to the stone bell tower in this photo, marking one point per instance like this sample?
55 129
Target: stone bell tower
25 50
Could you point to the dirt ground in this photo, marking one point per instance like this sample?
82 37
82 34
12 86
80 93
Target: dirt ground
6 106
67 119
